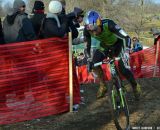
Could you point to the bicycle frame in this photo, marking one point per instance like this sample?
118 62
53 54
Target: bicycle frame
114 73
117 95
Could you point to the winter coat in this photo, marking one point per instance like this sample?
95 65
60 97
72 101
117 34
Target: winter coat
53 26
73 26
36 20
18 28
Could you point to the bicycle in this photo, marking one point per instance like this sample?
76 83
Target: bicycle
119 107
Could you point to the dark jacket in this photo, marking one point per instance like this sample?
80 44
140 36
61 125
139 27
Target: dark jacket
77 12
53 26
1 34
72 26
36 20
73 23
18 28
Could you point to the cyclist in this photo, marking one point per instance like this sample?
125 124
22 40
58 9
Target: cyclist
112 38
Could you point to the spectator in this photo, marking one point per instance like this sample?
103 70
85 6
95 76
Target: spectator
82 60
71 26
75 58
137 46
17 27
1 33
53 26
156 34
38 17
75 18
137 61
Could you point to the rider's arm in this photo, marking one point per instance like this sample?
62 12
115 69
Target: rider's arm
87 38
113 27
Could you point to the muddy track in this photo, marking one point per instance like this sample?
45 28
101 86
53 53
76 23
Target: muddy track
96 115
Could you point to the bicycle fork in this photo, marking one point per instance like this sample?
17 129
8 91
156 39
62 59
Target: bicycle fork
114 95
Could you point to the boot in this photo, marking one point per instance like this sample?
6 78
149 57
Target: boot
102 88
101 91
137 92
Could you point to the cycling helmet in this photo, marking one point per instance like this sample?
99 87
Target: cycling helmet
92 20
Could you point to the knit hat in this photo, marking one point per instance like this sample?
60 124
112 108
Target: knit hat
55 7
38 5
18 4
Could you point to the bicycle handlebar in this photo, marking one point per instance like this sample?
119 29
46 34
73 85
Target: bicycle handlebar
107 62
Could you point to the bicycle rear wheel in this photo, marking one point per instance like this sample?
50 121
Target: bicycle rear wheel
120 111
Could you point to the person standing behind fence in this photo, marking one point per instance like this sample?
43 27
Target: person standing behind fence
137 46
53 26
156 35
71 27
136 62
38 16
17 27
75 18
1 33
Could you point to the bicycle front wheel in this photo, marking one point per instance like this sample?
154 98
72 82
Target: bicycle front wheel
119 105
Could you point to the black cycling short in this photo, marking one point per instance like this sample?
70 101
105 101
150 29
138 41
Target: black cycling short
110 51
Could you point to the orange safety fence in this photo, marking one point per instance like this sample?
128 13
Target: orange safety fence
34 80
143 64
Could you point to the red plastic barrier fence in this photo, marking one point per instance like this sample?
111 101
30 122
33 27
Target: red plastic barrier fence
144 64
85 77
34 80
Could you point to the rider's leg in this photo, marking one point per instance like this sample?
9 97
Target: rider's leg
102 85
126 72
98 57
129 76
